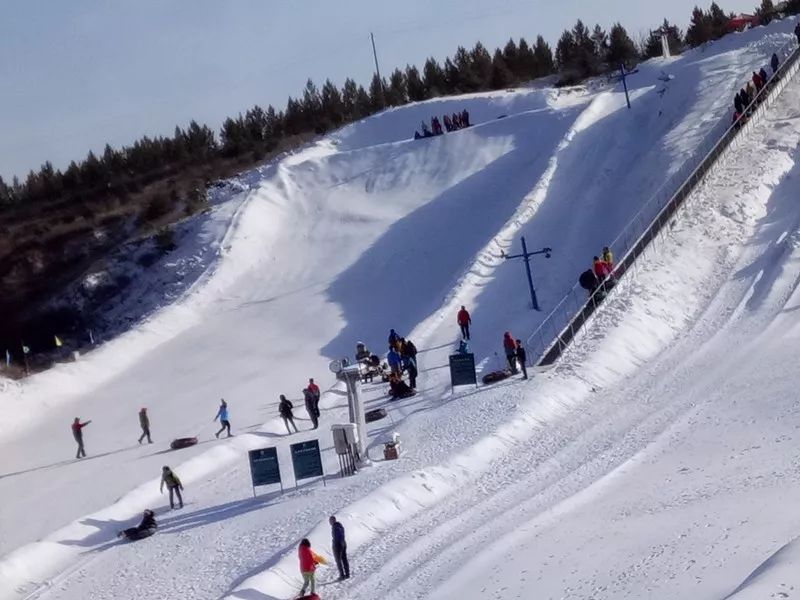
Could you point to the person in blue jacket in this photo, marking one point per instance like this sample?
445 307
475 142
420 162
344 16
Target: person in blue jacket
222 415
393 338
395 361
339 545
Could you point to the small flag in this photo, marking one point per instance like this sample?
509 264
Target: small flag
59 343
8 358
25 349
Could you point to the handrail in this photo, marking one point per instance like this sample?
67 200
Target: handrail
559 328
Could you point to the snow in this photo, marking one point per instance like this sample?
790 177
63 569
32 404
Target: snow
652 462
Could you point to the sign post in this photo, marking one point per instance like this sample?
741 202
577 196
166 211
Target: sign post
307 461
462 370
264 467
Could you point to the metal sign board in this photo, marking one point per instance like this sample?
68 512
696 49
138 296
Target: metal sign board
306 460
264 467
462 370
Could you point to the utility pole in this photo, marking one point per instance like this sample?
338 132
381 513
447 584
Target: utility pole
526 256
378 69
624 76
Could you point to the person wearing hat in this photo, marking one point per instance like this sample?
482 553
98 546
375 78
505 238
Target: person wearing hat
144 423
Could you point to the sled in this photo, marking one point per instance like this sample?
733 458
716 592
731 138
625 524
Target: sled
179 443
309 597
134 533
496 376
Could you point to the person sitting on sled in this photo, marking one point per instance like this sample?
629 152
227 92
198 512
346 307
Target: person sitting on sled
145 528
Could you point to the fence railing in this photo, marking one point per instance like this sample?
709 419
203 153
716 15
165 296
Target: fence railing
560 327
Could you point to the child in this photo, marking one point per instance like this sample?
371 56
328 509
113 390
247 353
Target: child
308 566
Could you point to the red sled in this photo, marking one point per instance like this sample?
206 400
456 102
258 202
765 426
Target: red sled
311 597
179 443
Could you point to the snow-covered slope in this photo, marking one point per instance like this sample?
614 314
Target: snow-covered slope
367 231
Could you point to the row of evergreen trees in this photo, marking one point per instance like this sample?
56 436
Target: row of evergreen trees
580 53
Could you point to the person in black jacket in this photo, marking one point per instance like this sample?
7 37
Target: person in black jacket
774 63
311 407
339 546
522 358
763 74
285 409
737 103
145 528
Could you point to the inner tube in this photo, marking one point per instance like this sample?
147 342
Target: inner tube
183 443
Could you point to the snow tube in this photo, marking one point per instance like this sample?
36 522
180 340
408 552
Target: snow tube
374 415
183 443
496 376
134 533
311 597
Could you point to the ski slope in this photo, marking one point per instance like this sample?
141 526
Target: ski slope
650 449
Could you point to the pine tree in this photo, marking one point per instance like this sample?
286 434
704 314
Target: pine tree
600 43
295 122
363 105
699 31
543 58
434 78
586 58
482 69
397 92
511 57
502 77
460 74
452 77
332 105
718 20
621 49
566 51
6 193
765 12
349 99
526 62
377 94
312 108
414 84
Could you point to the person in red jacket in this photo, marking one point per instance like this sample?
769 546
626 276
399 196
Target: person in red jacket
77 433
510 347
313 388
464 321
308 566
757 81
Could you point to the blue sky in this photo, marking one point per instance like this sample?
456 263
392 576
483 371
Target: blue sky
77 74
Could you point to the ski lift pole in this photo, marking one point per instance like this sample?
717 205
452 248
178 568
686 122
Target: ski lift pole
526 256
624 76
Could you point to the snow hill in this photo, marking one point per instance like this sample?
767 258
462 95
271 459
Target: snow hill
640 467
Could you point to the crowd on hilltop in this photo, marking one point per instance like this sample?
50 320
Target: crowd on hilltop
747 98
454 122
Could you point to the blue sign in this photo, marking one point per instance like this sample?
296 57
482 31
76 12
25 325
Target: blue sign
307 460
264 467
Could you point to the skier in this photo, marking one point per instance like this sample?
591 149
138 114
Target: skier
145 528
285 409
310 407
774 62
173 484
522 358
510 348
465 118
77 433
222 415
314 389
308 566
339 545
395 360
464 321
144 423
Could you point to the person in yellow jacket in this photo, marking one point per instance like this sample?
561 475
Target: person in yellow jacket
608 258
174 486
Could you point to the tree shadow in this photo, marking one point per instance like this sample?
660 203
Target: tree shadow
71 461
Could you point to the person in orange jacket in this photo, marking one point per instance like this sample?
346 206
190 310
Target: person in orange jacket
308 566
464 321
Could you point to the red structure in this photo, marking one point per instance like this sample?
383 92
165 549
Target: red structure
742 22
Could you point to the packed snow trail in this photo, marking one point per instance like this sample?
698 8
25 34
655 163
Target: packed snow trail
322 220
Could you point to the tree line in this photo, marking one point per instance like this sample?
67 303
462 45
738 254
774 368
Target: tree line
580 52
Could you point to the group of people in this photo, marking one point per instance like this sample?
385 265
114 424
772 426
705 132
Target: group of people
310 559
515 354
402 359
601 274
454 122
311 397
743 101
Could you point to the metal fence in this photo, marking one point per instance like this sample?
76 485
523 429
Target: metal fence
561 326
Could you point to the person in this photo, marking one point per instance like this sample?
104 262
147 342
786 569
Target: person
448 123
77 433
222 415
764 76
285 409
600 268
465 118
774 62
588 280
362 352
393 338
757 81
314 389
736 116
737 103
750 90
398 388
339 546
745 98
410 365
409 349
144 423
173 484
308 566
310 407
417 136
456 121
395 360
425 131
608 258
510 348
464 321
522 359
146 527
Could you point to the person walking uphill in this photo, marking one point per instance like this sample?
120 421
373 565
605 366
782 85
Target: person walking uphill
222 415
511 351
308 566
173 484
144 423
285 410
522 359
464 321
77 433
311 407
339 545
